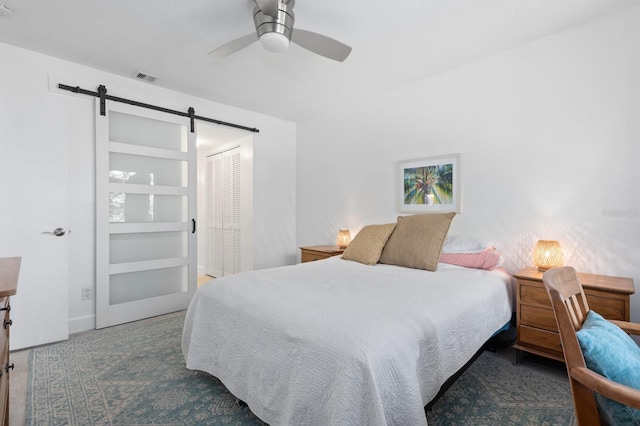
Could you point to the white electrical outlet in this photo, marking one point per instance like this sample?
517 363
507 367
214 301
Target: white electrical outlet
86 293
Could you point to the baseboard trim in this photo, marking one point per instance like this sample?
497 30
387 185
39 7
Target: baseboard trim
78 324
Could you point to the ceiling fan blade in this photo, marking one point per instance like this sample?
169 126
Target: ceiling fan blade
322 45
233 46
268 7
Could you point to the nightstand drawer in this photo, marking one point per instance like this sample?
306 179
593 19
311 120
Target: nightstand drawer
310 257
610 306
538 317
534 294
540 338
311 253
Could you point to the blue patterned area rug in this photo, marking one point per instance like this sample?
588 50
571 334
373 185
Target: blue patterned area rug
494 391
134 374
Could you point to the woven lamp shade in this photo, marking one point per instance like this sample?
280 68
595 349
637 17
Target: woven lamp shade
344 238
547 254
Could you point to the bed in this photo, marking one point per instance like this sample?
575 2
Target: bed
339 342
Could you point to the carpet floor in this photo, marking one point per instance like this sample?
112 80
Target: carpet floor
134 374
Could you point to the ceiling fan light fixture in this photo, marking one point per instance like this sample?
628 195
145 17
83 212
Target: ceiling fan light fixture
274 21
274 42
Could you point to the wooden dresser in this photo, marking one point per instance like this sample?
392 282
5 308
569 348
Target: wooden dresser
9 271
536 323
311 253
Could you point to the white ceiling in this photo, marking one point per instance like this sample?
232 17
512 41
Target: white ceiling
394 43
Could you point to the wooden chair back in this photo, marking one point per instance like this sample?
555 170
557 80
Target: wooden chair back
570 307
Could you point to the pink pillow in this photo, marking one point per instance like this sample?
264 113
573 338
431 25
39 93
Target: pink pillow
487 259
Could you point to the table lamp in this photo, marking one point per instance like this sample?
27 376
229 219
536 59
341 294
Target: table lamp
547 254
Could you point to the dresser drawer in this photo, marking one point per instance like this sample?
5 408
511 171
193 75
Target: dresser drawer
540 338
4 361
534 294
4 388
311 253
611 306
538 317
4 330
310 257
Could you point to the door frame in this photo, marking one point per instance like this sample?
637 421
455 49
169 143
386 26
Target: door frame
245 143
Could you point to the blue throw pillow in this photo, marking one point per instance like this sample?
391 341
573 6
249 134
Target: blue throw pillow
609 351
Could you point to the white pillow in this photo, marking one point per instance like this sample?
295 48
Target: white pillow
462 244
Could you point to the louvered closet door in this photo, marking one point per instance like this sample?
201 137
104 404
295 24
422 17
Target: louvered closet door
223 213
145 205
214 216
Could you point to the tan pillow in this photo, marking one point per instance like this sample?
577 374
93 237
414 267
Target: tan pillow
367 245
417 241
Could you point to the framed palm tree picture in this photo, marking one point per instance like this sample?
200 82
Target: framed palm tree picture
429 184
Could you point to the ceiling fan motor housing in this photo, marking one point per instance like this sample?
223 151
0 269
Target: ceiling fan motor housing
283 24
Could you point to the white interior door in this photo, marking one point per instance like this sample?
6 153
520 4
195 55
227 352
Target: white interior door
224 233
214 215
145 214
35 195
231 212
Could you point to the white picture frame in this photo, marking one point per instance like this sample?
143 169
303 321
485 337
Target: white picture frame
430 184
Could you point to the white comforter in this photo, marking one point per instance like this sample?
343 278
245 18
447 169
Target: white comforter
335 342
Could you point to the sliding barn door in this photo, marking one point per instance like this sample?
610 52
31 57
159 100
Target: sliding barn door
145 214
223 213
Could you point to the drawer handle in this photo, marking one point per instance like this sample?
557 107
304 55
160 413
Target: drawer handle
8 367
6 323
7 308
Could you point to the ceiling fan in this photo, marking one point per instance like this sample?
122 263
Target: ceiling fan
274 28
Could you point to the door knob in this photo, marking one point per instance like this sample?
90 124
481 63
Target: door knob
58 232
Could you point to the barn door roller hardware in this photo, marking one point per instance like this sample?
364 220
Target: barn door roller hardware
102 94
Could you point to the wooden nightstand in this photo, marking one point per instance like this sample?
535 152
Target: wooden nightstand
311 253
536 323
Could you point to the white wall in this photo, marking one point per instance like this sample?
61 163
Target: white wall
273 154
549 137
